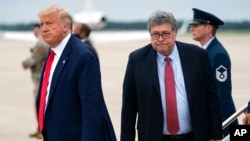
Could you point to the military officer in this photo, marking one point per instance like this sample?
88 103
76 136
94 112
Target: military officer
35 64
203 28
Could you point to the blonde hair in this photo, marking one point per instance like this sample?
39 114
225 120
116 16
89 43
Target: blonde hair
63 14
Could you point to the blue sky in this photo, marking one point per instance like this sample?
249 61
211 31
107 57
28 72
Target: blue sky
12 11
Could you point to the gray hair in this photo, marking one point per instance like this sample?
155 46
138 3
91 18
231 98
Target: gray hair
161 17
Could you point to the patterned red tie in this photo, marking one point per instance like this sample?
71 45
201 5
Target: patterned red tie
44 90
171 106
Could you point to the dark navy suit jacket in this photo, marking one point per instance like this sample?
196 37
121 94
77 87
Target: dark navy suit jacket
142 104
248 107
87 41
221 66
76 110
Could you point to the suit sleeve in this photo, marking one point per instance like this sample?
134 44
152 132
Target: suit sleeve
129 104
222 72
213 103
96 124
248 107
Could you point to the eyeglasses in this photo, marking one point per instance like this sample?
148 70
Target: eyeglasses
164 35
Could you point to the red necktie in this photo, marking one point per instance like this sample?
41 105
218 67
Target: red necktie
171 106
44 90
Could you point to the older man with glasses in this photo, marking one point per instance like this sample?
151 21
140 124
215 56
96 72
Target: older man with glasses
169 90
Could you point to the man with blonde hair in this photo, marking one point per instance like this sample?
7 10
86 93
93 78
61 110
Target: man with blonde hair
70 102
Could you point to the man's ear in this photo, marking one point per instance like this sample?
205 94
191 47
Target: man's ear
208 28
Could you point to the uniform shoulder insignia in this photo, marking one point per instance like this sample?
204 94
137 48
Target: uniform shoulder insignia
221 73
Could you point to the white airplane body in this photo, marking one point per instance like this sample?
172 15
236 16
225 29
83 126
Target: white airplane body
95 19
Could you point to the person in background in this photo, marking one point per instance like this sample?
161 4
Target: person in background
203 28
169 93
70 102
246 119
35 64
83 31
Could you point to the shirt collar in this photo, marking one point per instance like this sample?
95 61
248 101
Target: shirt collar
206 45
172 56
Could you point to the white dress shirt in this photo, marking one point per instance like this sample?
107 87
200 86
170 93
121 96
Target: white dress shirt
58 52
181 95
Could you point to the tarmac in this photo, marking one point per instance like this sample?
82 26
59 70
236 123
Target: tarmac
17 109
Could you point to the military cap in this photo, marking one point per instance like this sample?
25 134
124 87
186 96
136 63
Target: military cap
202 17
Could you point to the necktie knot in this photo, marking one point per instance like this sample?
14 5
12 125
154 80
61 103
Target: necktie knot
52 53
167 59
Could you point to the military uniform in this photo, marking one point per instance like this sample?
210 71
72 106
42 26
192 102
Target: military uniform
36 61
221 65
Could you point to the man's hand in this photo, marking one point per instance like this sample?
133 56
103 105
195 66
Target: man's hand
246 119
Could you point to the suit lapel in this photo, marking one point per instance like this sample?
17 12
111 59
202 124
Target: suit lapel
186 68
59 68
153 69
